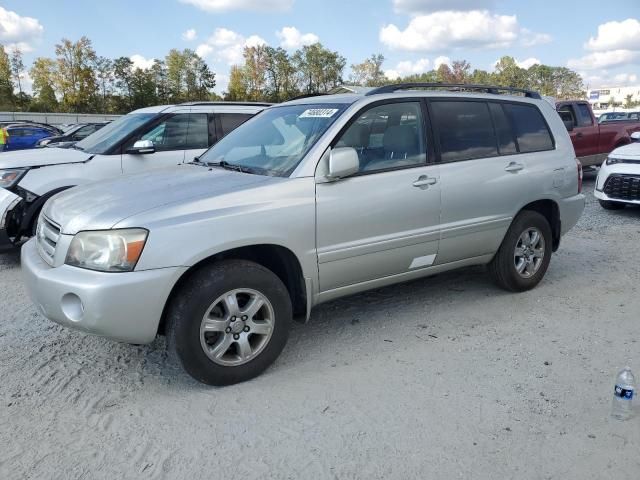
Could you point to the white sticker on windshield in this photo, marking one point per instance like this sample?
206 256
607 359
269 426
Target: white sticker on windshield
319 113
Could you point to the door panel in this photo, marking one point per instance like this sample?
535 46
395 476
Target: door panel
372 226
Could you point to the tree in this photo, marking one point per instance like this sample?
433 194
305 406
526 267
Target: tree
509 74
255 70
319 69
280 75
369 73
159 70
237 89
17 70
104 75
123 76
43 75
76 79
628 101
7 98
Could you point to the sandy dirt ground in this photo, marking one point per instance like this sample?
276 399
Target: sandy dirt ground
447 377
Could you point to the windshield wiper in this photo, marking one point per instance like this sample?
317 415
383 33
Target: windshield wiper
231 166
75 147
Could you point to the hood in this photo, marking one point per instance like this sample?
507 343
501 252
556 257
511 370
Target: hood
41 156
631 150
100 206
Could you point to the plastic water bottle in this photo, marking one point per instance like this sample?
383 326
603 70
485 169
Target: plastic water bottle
623 394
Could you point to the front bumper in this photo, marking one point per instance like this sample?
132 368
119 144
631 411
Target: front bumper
121 306
571 209
8 202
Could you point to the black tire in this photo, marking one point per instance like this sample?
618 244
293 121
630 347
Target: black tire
194 299
609 205
503 268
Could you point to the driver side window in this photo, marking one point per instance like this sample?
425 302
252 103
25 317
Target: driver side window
387 137
170 134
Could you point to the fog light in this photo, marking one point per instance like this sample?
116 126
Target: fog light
72 307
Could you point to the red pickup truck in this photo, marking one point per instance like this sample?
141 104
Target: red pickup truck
593 141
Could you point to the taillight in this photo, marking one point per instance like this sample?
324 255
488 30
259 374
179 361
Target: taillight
579 165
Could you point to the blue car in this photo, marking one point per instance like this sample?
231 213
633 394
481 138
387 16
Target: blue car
24 135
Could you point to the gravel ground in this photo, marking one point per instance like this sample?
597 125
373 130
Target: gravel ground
447 377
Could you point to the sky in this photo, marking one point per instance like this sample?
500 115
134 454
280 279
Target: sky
600 40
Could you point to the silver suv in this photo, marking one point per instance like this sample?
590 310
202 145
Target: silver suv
309 201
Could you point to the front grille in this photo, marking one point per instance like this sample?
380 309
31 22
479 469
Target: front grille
47 236
623 187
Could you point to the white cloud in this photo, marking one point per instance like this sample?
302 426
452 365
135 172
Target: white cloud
604 79
17 31
216 6
531 39
140 62
227 46
526 63
190 35
291 38
609 59
623 35
405 68
442 31
441 60
430 6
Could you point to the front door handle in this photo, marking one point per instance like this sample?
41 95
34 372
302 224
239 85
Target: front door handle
424 182
514 167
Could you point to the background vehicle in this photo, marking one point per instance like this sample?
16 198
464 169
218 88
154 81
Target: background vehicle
72 135
618 182
149 138
618 116
591 140
24 136
309 201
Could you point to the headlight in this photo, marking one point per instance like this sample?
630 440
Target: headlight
613 161
11 176
107 250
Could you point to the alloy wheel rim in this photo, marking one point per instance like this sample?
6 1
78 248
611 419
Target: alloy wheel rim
237 327
529 252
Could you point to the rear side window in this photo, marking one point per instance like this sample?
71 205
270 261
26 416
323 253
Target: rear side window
532 133
464 129
506 139
231 121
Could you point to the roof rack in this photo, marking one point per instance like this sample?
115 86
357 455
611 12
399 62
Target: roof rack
308 95
241 104
493 89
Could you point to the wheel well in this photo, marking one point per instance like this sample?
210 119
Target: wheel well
548 209
279 260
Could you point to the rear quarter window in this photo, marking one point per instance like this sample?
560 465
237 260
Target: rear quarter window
531 130
231 121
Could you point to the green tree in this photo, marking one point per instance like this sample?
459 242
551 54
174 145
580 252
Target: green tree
237 89
255 71
159 69
43 73
104 76
281 75
7 98
369 73
509 74
319 69
17 70
76 79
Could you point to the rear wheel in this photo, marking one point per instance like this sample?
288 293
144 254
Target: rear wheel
525 253
229 322
609 205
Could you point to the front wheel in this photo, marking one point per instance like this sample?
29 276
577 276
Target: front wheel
525 253
229 322
609 205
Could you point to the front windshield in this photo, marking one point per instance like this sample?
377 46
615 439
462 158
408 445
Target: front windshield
275 141
108 136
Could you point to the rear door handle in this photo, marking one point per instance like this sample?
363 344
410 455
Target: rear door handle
579 135
514 167
424 182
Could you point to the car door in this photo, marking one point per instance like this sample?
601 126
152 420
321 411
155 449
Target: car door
488 166
169 137
585 134
384 220
18 138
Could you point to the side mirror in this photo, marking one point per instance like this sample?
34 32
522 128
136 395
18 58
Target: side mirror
635 137
142 147
343 161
